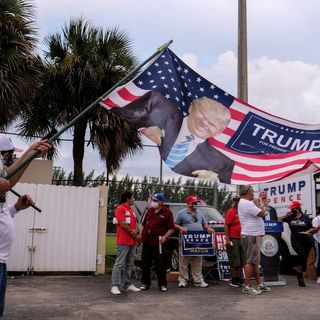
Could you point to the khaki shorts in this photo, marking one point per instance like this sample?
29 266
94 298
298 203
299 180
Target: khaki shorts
236 253
252 245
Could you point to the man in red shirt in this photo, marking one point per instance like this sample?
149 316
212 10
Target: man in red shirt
127 232
232 230
157 227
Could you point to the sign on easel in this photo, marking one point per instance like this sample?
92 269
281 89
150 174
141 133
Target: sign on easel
222 257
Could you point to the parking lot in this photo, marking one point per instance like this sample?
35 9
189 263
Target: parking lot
88 297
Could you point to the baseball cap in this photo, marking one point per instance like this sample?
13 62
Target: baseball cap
5 143
191 199
159 196
263 195
295 204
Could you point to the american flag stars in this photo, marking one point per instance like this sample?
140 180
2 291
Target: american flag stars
170 75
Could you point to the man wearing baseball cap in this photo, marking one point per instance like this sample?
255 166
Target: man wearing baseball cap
157 227
7 212
191 219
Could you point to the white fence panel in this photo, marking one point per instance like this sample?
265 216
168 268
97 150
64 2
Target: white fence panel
23 220
64 236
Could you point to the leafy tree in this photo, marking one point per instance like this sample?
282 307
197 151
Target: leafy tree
19 67
83 62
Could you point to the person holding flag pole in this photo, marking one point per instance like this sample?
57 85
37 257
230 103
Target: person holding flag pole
7 212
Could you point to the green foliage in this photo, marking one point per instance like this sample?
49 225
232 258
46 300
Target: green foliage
19 72
82 62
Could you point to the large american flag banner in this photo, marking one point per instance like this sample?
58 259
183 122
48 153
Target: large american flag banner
263 147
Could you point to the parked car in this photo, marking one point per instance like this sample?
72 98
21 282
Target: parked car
211 214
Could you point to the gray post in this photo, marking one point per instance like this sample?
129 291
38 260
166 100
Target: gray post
242 51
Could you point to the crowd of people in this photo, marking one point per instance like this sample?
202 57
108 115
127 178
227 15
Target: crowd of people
244 229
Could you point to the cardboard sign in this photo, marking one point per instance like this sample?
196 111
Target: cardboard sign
222 256
197 243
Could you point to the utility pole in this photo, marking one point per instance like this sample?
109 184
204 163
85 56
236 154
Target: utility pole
242 55
242 51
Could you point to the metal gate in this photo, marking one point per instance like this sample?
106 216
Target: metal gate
63 237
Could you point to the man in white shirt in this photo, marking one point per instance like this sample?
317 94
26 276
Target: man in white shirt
251 216
7 212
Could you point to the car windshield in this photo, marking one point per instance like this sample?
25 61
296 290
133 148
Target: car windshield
210 213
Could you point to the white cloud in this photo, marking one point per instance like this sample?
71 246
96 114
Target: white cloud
288 89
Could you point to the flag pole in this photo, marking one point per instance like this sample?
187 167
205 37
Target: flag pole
84 112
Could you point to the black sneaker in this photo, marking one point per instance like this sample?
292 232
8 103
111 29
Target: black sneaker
234 283
240 282
144 287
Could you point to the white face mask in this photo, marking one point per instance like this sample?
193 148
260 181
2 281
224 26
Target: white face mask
154 204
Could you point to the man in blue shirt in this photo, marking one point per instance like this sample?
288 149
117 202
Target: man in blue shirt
191 219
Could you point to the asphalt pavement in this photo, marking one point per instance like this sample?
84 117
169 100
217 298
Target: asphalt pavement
89 297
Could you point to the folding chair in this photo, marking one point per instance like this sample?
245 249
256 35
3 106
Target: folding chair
209 268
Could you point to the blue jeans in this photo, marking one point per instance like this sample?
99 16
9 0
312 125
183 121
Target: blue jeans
3 285
124 261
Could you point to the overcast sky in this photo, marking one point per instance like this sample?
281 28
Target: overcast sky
283 49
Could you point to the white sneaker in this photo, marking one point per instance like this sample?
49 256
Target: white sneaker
115 290
133 288
263 288
182 284
250 290
318 281
201 284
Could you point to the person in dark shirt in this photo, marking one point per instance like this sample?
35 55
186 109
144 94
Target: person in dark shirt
301 241
157 227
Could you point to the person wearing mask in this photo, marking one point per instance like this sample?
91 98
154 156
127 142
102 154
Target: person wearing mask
235 251
271 211
191 219
301 240
127 232
7 212
157 227
251 216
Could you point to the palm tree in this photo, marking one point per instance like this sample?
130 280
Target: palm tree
18 64
83 62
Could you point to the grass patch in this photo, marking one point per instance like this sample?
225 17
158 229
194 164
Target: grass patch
111 250
111 247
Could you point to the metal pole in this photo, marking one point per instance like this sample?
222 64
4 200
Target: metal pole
160 171
242 55
242 51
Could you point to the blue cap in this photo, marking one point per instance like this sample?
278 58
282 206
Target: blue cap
158 197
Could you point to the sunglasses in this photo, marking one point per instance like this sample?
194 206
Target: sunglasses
194 218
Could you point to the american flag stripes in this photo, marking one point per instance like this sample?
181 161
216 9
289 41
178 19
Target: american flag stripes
263 147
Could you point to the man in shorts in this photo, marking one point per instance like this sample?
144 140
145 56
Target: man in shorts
251 215
236 256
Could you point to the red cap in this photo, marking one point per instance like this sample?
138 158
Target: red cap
294 205
191 199
263 195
